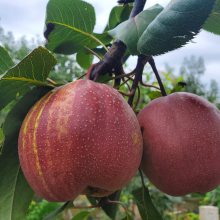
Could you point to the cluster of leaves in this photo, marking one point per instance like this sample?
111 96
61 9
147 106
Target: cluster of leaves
154 31
212 198
158 30
27 83
70 30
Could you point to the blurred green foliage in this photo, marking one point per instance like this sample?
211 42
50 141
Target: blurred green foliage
192 70
38 210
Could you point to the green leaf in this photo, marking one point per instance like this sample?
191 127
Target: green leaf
176 25
81 216
15 194
154 95
53 214
145 205
5 61
128 217
111 209
2 139
131 30
213 22
70 26
92 200
84 59
104 37
32 70
9 90
117 15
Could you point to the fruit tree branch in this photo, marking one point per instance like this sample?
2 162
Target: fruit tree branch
138 7
142 60
110 62
113 58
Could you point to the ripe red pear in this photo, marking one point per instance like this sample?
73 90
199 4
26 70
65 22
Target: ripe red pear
82 137
181 134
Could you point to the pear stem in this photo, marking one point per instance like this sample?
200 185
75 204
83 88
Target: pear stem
154 68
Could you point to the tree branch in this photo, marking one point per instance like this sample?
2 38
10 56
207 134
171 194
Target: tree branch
110 62
142 60
138 7
113 59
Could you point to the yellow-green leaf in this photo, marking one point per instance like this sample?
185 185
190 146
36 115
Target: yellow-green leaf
31 71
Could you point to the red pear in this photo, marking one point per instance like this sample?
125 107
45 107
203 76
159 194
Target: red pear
181 134
80 138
